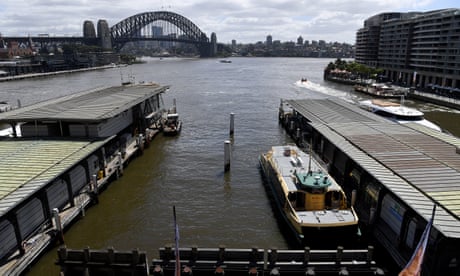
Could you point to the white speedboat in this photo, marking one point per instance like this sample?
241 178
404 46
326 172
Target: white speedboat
312 203
4 107
397 112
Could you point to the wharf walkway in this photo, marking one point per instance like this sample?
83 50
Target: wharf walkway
48 74
435 98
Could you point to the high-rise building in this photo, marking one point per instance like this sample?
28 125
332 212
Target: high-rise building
418 49
300 40
269 40
368 37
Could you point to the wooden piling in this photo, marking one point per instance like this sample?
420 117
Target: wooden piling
232 123
58 225
227 149
120 163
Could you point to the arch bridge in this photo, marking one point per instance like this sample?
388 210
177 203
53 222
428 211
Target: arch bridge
161 26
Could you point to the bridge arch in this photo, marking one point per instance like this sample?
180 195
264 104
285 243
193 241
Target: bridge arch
131 26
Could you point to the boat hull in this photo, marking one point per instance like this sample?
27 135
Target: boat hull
172 131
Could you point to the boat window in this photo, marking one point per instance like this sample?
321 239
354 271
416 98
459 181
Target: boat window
409 118
383 113
333 200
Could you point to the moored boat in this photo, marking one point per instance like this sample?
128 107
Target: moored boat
4 107
397 112
379 90
172 124
308 198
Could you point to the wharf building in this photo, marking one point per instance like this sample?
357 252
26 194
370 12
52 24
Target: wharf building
67 150
416 49
396 172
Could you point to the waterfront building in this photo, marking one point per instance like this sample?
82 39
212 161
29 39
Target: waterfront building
367 38
69 149
417 49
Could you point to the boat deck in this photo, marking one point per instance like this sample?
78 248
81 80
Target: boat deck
323 218
285 165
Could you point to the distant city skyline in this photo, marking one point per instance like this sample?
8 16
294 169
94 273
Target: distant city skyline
241 20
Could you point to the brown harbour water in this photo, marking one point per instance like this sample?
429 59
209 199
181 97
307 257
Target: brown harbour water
213 208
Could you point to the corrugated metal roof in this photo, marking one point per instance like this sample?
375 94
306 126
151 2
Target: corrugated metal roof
332 110
419 165
93 105
27 165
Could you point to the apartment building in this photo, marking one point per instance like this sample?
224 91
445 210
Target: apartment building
417 49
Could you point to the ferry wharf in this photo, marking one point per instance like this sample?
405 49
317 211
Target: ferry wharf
435 98
68 151
53 73
396 172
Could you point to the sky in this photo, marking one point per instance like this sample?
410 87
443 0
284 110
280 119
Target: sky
246 21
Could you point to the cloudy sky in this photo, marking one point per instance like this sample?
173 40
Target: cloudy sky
247 21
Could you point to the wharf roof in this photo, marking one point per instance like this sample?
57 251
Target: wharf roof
419 165
27 166
93 105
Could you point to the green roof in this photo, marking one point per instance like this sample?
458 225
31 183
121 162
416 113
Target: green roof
28 165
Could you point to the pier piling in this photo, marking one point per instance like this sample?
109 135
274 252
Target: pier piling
58 225
227 155
232 123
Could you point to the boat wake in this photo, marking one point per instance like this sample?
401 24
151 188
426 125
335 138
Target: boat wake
316 87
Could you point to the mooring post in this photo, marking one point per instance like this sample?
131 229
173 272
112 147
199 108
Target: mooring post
140 143
227 155
273 257
58 225
110 255
221 257
253 258
339 255
232 123
306 255
120 163
370 253
193 255
95 188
